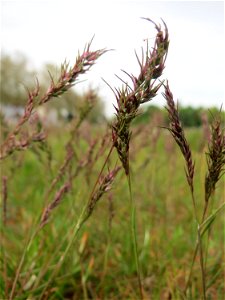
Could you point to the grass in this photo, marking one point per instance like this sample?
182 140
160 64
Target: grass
92 212
164 209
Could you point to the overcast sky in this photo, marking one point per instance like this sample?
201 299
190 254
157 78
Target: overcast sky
52 30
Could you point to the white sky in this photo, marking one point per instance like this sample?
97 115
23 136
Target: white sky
52 30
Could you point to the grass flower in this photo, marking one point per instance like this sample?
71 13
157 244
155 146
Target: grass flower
215 159
66 80
144 89
55 202
105 184
177 132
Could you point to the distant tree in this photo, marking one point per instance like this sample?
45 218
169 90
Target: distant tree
15 76
146 115
190 116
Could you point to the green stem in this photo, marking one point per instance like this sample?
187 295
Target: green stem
83 281
106 256
204 222
202 263
50 259
26 249
197 247
191 268
134 236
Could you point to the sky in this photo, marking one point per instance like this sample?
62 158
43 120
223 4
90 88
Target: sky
54 30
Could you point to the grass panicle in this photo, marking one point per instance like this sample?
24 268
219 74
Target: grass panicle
177 132
66 80
69 76
55 202
105 184
90 99
62 170
215 157
215 162
143 90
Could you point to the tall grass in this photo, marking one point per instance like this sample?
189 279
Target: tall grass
56 182
215 162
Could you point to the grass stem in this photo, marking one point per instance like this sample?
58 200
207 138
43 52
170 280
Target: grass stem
26 249
202 264
76 229
134 236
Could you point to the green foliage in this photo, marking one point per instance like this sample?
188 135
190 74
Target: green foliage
145 116
189 116
16 76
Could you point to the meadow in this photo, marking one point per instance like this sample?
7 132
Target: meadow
115 210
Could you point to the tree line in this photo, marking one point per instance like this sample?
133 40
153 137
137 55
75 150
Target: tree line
189 116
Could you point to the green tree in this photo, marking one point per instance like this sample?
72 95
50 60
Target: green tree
15 77
190 116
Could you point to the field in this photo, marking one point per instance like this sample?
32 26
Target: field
117 209
100 264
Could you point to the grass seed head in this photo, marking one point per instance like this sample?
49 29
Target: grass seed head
55 202
105 184
215 157
143 90
66 80
177 132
